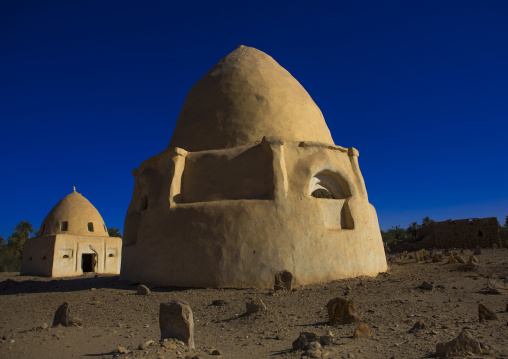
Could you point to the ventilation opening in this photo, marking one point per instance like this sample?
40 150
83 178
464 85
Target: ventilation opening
90 226
64 226
480 234
322 193
65 256
111 255
88 262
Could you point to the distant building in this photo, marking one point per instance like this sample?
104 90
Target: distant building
461 233
72 240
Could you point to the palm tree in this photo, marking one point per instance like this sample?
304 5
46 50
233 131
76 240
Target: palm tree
114 232
24 228
426 221
412 229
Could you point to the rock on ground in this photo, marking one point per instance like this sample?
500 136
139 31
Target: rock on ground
485 314
283 281
255 306
176 321
465 345
62 315
142 290
342 311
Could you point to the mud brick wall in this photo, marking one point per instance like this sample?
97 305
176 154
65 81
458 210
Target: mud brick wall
503 236
466 233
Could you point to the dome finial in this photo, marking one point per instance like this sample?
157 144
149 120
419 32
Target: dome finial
74 188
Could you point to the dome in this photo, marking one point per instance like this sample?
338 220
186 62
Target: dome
247 95
75 215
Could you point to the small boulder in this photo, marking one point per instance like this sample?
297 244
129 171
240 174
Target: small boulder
426 286
300 343
62 315
459 259
464 345
362 331
451 260
472 260
283 281
255 306
176 321
485 314
419 325
77 322
314 350
123 350
496 287
142 290
145 345
342 311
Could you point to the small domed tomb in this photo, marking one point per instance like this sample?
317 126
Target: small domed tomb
251 184
72 240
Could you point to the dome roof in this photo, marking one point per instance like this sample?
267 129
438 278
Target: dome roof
247 95
75 215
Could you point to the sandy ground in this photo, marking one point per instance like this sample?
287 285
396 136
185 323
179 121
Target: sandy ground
390 304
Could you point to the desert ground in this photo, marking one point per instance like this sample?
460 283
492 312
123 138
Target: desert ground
114 316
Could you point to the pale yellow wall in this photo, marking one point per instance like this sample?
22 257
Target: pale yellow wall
37 258
244 242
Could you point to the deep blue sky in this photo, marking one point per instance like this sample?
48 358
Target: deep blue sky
90 89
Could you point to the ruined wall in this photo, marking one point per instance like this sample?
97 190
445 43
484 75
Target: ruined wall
463 233
503 237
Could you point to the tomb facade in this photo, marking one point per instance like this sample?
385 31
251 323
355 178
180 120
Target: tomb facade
251 184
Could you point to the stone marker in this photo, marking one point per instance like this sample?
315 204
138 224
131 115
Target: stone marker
496 287
62 315
362 331
426 286
419 325
472 260
451 260
255 306
459 259
342 311
465 345
283 281
142 290
485 314
176 321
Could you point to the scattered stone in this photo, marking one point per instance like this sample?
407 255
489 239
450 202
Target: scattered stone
362 331
464 345
427 286
437 258
403 255
176 321
219 303
215 351
62 315
477 251
77 322
419 325
421 256
283 281
172 343
46 326
496 287
123 350
314 350
142 290
459 259
342 311
145 345
472 260
485 314
301 342
451 260
255 306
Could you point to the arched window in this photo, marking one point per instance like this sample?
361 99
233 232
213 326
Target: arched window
64 226
90 226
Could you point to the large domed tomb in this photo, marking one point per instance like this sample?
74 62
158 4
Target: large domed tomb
72 240
251 184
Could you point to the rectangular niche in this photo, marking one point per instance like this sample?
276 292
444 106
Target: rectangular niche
230 174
